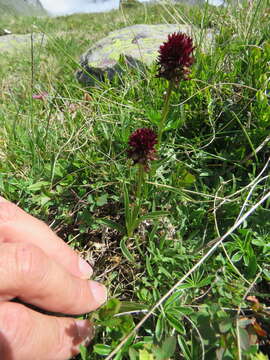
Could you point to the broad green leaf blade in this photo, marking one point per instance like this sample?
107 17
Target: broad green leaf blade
145 355
133 354
111 224
184 347
83 353
102 349
175 319
38 185
128 216
125 250
160 327
154 215
167 348
132 306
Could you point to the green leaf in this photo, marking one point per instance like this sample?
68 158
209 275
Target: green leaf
145 355
38 186
186 179
126 323
108 310
260 356
172 299
225 325
173 124
132 306
266 274
244 339
175 320
102 200
167 349
149 267
205 282
154 116
125 250
237 256
111 224
252 266
83 352
160 327
102 349
127 206
154 215
133 354
185 349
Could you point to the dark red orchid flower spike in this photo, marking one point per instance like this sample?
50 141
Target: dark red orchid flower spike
175 57
142 146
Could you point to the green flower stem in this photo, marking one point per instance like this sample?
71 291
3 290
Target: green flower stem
138 200
165 110
140 183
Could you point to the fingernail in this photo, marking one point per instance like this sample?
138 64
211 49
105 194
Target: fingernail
85 269
85 331
99 292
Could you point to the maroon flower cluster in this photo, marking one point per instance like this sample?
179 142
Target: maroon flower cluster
142 147
175 57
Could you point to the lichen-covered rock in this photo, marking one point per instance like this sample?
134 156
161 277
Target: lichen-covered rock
138 45
15 43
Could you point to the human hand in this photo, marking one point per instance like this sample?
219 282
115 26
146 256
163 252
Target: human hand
37 267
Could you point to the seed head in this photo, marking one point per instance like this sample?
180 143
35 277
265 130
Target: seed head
175 57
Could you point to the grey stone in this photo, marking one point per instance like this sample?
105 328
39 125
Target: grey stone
137 45
4 32
22 7
14 43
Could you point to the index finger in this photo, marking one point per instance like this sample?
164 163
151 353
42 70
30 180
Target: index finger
16 226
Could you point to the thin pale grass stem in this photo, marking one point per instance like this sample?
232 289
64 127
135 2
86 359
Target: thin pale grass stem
249 195
191 271
232 264
58 154
218 233
217 207
213 86
259 148
223 308
131 312
239 349
199 335
182 18
251 21
253 181
247 136
185 190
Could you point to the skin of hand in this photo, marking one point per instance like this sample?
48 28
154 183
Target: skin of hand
38 268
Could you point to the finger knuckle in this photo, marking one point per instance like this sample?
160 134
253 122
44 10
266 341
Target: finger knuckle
27 261
77 295
15 323
8 212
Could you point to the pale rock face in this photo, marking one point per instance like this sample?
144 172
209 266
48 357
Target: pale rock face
35 3
24 7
